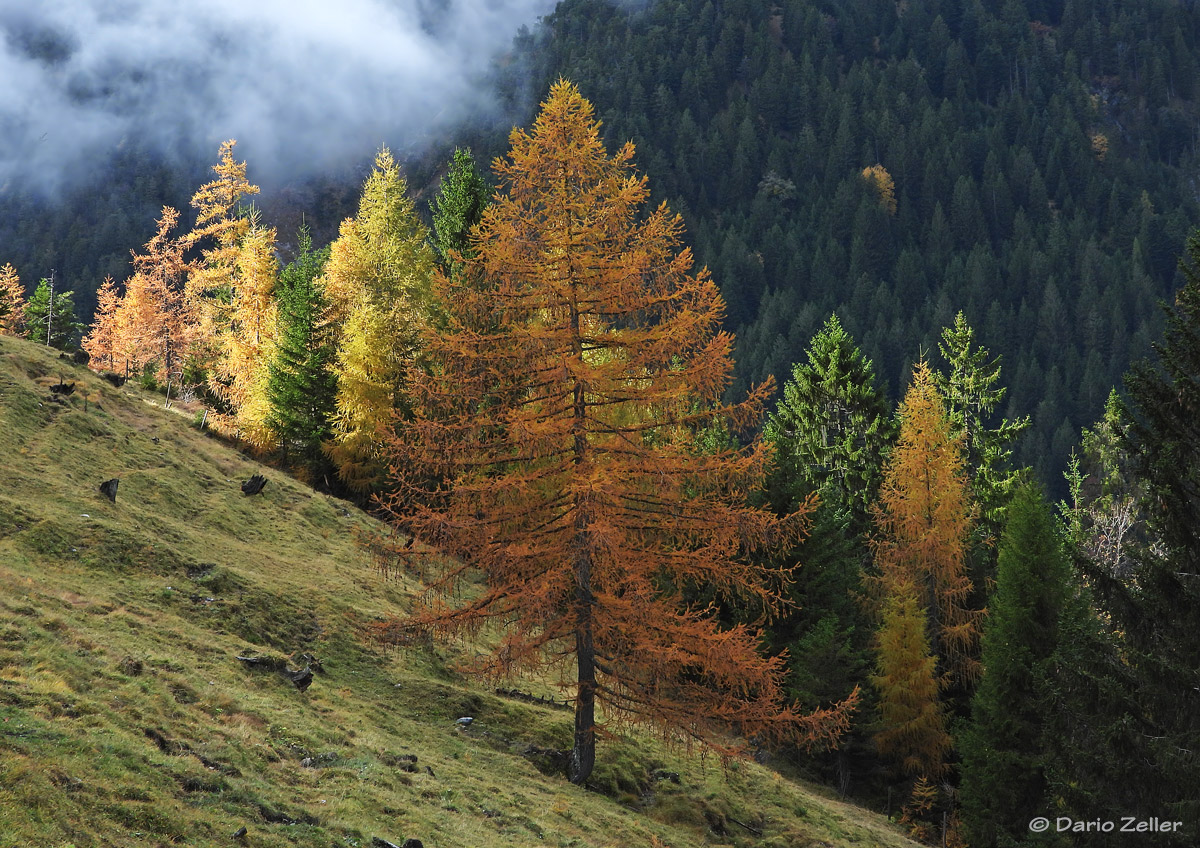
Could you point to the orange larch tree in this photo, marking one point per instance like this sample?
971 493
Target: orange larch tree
552 448
100 342
163 269
924 518
151 325
12 302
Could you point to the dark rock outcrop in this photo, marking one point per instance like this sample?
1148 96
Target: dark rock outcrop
109 489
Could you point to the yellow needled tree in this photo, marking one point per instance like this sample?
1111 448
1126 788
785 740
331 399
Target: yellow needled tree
229 290
924 519
219 231
554 447
377 282
248 343
912 722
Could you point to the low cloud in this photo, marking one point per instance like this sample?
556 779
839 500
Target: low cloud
303 85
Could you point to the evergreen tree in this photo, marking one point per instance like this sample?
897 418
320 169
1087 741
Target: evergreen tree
53 314
828 638
830 428
301 386
12 302
457 208
1106 515
1157 609
1005 780
970 392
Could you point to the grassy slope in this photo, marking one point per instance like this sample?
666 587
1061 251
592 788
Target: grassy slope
125 718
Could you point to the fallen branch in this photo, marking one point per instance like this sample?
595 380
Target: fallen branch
753 830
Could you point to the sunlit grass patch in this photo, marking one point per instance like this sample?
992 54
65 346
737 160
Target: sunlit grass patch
127 719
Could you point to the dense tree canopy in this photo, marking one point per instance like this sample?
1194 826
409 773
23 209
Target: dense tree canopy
1156 606
757 122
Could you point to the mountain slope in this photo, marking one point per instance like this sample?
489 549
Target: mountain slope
1042 153
127 719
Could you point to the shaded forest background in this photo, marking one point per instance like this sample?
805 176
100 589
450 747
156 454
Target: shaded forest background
1043 156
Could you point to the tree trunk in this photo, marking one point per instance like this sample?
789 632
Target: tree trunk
583 755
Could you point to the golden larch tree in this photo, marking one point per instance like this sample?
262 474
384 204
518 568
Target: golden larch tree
212 278
101 339
554 448
924 518
912 722
12 302
149 325
229 293
378 283
247 343
879 179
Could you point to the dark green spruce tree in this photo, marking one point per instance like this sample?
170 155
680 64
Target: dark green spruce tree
53 313
301 385
1157 608
969 387
1005 781
458 207
830 429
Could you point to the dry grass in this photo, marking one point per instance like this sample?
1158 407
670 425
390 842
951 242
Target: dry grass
126 719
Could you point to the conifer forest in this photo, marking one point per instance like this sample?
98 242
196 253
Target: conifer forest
812 380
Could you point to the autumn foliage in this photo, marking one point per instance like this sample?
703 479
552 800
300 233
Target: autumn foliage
206 296
924 520
148 325
377 282
879 179
100 342
12 302
554 447
913 727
